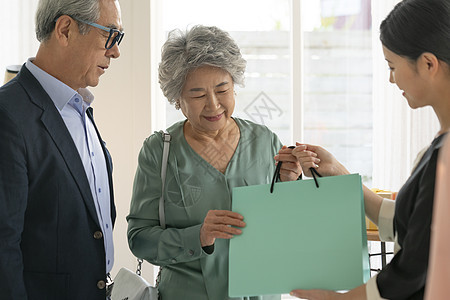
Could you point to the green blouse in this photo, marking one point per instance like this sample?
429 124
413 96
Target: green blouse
193 187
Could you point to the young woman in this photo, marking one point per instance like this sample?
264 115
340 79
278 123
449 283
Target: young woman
416 44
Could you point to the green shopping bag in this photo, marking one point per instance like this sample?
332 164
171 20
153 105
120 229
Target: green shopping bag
299 237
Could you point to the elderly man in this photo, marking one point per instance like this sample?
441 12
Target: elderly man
56 199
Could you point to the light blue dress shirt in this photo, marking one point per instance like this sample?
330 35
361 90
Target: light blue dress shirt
72 106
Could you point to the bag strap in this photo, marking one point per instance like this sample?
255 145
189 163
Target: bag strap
276 175
314 175
162 217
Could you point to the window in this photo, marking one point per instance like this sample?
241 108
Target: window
18 39
337 80
263 36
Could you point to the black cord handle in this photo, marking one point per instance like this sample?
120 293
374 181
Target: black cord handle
314 175
276 175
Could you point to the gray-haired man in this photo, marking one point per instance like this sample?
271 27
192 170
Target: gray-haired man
56 199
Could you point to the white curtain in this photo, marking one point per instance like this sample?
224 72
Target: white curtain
399 133
18 40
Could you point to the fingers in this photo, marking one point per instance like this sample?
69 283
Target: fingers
304 153
307 161
301 146
222 231
224 215
224 220
286 150
285 157
290 171
315 294
307 156
305 148
300 294
298 153
311 156
220 224
288 166
285 154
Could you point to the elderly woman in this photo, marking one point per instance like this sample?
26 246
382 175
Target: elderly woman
210 153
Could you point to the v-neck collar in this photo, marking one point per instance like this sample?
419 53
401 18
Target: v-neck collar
186 144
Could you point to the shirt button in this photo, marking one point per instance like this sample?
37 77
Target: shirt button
107 226
109 261
101 284
92 153
173 260
77 100
98 235
99 190
191 252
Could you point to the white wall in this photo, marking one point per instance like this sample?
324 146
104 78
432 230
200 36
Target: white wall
122 113
18 40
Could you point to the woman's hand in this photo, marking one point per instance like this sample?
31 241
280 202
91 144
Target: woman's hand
218 225
290 168
316 294
358 293
310 156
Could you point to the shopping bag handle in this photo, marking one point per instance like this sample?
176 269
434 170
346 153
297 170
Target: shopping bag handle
276 175
314 175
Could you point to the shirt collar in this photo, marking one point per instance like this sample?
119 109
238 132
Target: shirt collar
59 92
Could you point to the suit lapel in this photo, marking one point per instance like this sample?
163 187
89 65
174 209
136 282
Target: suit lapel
57 129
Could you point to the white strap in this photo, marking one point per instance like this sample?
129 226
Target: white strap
162 218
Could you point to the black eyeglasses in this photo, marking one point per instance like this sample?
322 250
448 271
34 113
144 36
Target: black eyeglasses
115 35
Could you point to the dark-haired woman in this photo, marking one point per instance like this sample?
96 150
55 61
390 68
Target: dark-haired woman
416 45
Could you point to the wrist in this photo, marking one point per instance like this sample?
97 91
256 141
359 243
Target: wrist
341 170
204 242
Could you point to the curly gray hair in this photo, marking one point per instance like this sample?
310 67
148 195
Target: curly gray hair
49 10
199 46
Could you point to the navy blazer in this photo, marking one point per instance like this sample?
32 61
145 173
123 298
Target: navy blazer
51 244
